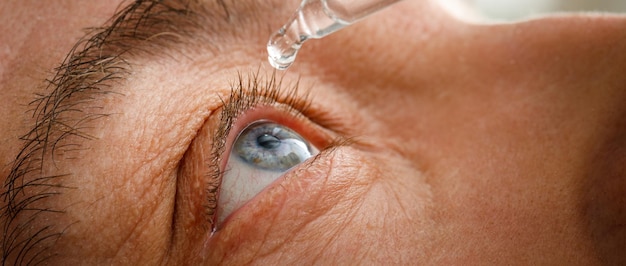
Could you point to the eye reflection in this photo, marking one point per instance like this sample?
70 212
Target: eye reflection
262 152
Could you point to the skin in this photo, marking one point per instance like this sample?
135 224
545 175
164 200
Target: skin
501 144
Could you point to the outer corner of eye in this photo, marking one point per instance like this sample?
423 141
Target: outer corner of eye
260 154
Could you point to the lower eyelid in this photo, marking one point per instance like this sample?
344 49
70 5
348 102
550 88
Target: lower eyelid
301 195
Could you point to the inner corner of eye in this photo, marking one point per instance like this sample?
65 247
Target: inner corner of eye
261 153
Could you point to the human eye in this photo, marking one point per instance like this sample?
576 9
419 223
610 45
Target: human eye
260 154
267 130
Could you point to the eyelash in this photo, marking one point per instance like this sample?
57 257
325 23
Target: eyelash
247 93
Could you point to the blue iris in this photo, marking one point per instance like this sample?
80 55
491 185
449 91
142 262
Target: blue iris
271 146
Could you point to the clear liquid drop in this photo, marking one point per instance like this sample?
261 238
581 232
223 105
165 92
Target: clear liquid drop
282 49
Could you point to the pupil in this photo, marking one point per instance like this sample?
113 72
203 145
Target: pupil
268 141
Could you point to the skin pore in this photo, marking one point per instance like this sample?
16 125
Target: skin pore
442 142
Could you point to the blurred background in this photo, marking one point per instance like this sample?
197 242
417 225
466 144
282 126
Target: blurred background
514 10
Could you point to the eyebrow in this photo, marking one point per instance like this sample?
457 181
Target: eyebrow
91 69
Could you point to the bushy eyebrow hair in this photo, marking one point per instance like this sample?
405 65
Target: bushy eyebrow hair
65 113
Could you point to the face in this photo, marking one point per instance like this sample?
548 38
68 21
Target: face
408 137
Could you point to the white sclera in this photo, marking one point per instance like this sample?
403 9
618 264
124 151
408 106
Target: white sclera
242 180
